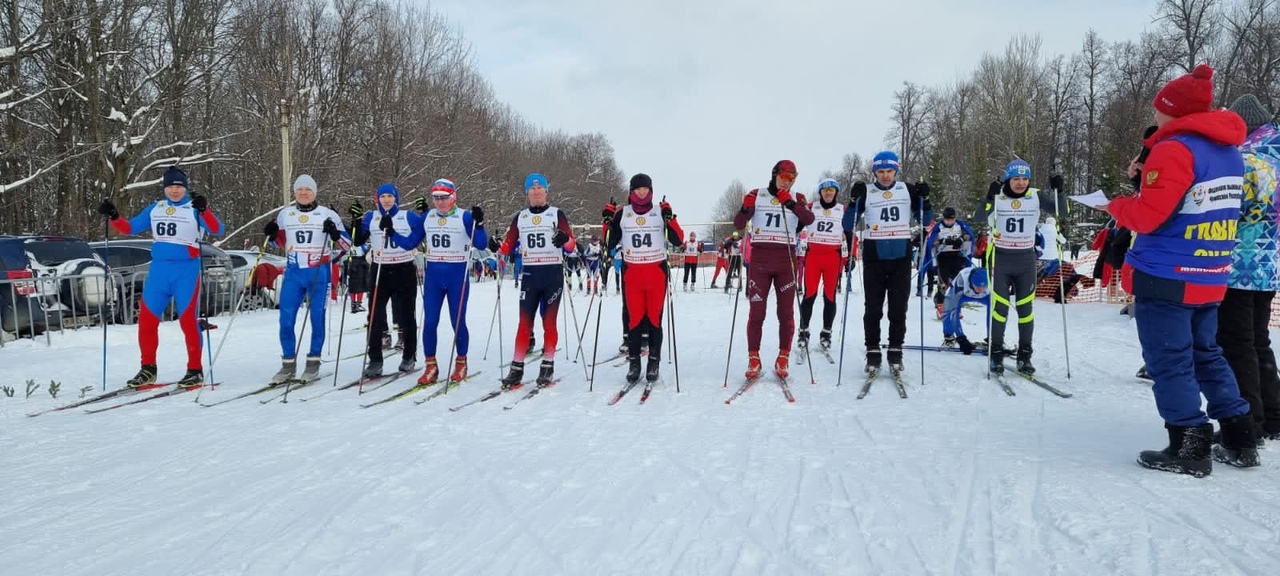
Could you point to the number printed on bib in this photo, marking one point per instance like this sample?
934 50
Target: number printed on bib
772 223
446 237
304 235
642 236
1014 221
536 231
174 224
828 225
384 253
888 213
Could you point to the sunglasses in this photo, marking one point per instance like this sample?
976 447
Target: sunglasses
787 175
441 197
824 190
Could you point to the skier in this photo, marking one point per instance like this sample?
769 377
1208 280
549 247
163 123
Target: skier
303 230
968 285
692 251
395 279
886 252
722 263
733 247
951 244
357 268
448 236
645 270
547 235
572 268
591 255
827 240
1013 209
775 216
1184 220
1048 255
175 222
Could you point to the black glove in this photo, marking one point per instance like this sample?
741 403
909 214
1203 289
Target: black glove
355 210
606 215
858 192
955 241
271 230
477 215
332 230
1055 182
922 189
993 189
386 224
966 347
356 224
560 239
494 245
200 203
420 204
667 214
106 208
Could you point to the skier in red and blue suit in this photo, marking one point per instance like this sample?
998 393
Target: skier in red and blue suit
176 222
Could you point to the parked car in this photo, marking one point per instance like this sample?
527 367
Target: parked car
67 277
265 289
22 310
131 258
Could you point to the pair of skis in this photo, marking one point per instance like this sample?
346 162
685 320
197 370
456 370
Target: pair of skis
982 350
117 393
899 382
825 352
644 394
174 391
292 384
500 391
784 382
418 388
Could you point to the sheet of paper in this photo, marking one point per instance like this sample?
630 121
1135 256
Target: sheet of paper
1095 199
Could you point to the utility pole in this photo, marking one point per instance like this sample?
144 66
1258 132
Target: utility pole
286 157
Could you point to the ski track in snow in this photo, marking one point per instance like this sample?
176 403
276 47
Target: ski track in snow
957 479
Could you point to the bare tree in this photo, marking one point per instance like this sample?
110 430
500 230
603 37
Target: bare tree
729 203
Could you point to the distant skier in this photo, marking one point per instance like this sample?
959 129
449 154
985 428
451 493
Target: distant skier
951 243
968 285
692 251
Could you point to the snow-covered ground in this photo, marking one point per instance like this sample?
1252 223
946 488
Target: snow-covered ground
957 479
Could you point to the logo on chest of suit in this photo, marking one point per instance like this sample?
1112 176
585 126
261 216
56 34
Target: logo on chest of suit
640 221
1016 204
887 194
293 213
826 211
537 220
774 200
169 211
1197 196
442 221
303 219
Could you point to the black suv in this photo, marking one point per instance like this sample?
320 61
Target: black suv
69 283
21 308
131 259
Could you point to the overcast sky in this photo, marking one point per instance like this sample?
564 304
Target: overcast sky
699 92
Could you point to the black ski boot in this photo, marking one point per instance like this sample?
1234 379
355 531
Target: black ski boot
652 370
1239 445
514 376
546 373
1187 453
895 360
873 361
1143 374
1024 360
802 341
824 340
146 375
633 369
372 370
356 307
194 378
995 360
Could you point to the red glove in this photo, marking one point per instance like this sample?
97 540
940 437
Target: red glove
504 249
784 196
665 208
749 201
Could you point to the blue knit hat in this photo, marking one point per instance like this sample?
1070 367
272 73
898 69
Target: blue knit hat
534 178
885 160
978 278
388 188
174 175
1017 169
829 183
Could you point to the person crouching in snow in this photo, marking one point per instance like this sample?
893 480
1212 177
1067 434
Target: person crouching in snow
968 285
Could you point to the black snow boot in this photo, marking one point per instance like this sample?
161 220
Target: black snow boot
514 376
1187 453
1239 445
633 370
546 373
1024 360
651 372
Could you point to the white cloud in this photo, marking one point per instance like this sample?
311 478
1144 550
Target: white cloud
699 92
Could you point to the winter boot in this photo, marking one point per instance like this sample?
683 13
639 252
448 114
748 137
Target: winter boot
514 376
357 307
311 370
1187 453
431 373
652 372
459 370
146 375
713 285
633 369
1142 373
995 361
1239 445
949 341
873 361
1024 360
895 360
547 373
802 341
754 368
372 370
288 367
194 378
824 340
782 366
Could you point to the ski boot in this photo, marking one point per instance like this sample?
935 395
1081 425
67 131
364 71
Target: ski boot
288 367
372 370
623 348
146 375
754 368
194 378
949 341
430 374
407 365
386 341
633 369
873 361
713 286
652 371
1024 360
895 361
782 366
357 307
514 375
802 342
459 370
1239 444
311 370
546 373
824 340
1187 453
1143 374
995 361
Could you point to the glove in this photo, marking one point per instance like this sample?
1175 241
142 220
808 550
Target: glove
922 189
494 245
355 210
1055 182
477 214
355 223
993 189
200 203
667 214
785 199
106 208
386 224
607 213
966 347
560 239
955 241
271 230
748 202
420 204
332 230
858 192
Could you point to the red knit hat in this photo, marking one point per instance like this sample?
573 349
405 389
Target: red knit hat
1187 94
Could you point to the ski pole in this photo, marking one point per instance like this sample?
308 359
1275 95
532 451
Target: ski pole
248 283
489 341
920 271
1062 289
297 347
671 309
368 338
990 257
102 311
795 285
844 315
342 324
462 301
733 324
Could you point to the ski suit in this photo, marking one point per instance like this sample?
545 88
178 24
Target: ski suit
448 239
773 231
642 236
960 292
542 273
692 250
1011 259
307 273
395 277
827 239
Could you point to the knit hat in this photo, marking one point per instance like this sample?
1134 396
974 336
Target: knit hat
534 178
948 212
1187 94
978 278
305 181
784 166
1252 111
1017 169
829 183
641 181
885 160
174 175
445 185
388 188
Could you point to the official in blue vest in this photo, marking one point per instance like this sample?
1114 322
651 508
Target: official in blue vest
1185 218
